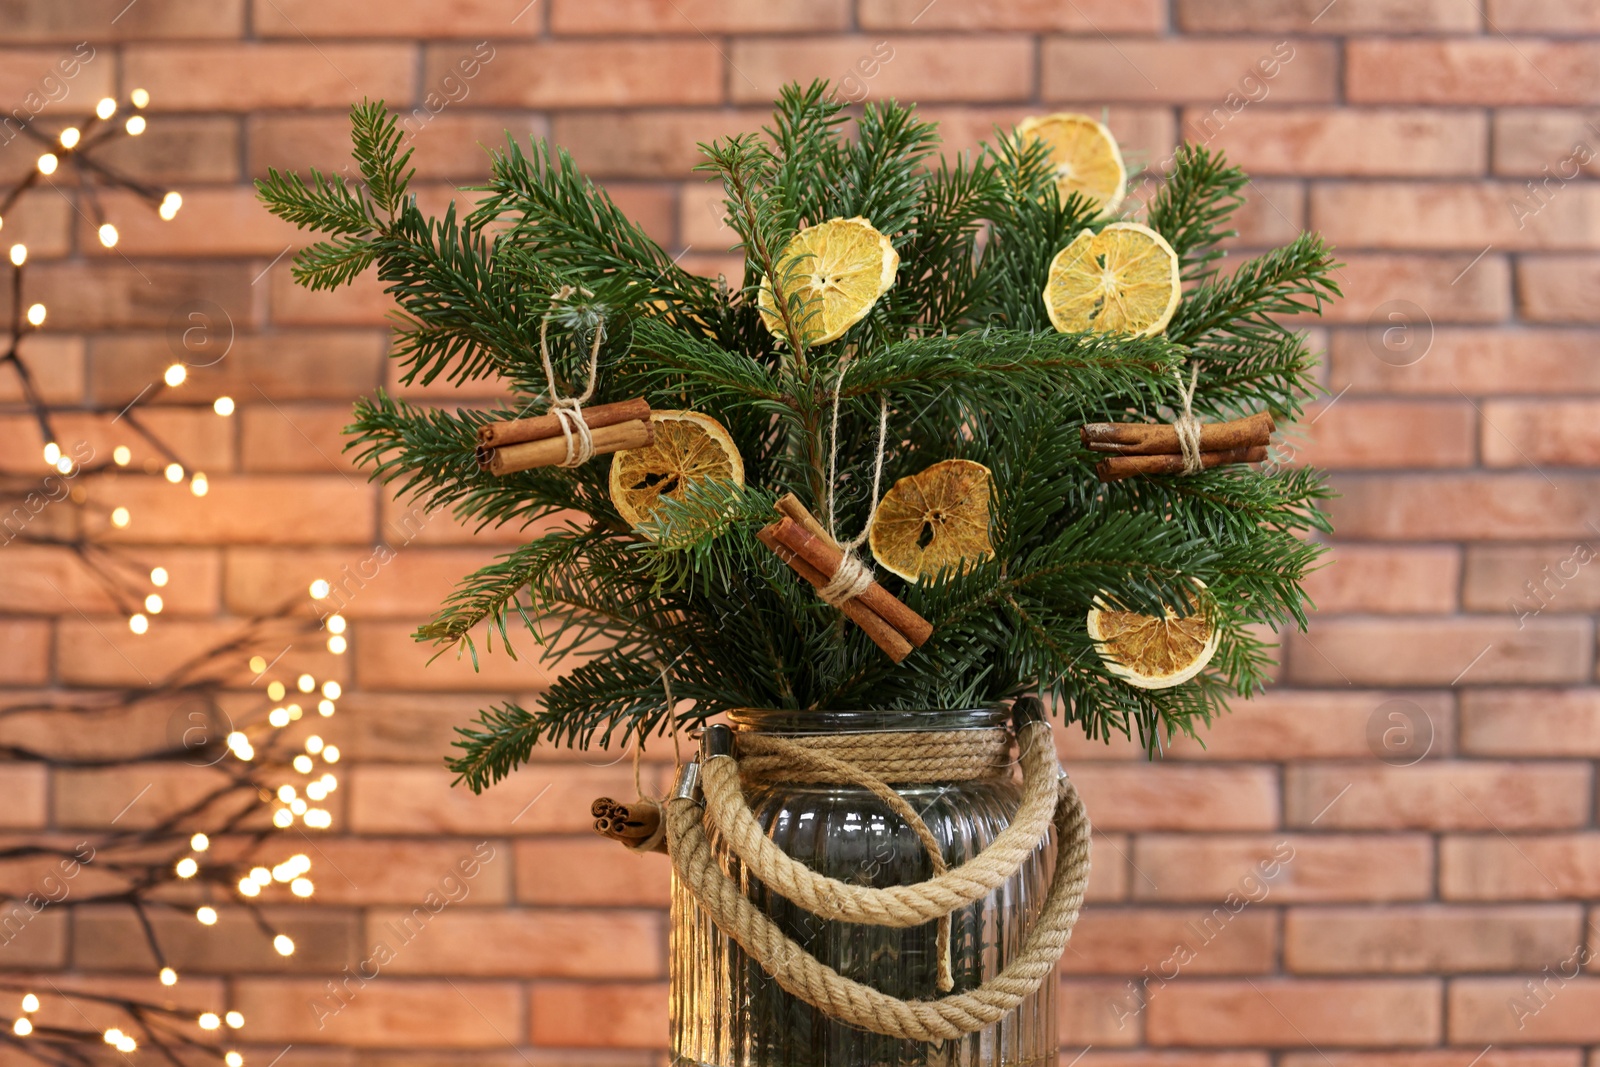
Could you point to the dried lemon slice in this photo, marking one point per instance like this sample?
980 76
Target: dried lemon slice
1154 653
1086 156
839 269
1123 279
688 448
934 521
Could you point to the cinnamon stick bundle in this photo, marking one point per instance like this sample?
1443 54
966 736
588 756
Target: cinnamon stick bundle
1116 468
1159 438
800 541
630 824
524 444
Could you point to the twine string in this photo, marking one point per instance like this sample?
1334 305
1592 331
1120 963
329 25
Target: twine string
569 410
1186 426
852 577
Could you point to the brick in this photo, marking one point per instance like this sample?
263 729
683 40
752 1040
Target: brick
252 368
1383 292
413 800
1313 16
226 221
1170 1058
1448 215
63 79
129 794
1531 722
401 727
1558 288
646 143
54 579
1557 1009
103 651
406 522
1543 361
176 151
1529 580
1157 797
1273 214
1545 143
1522 433
264 509
1544 16
193 435
1316 868
1445 1057
1469 506
1428 938
394 1013
1384 579
1108 875
386 656
245 77
1438 795
1127 940
67 21
109 938
1094 16
451 144
299 19
24 649
1495 867
1409 142
564 1014
1197 71
26 790
407 583
1359 434
589 871
1487 70
361 303
351 870
1099 1012
57 366
651 207
105 294
287 438
1141 132
30 938
590 73
491 943
43 225
698 17
969 67
1307 724
1440 651
1290 1014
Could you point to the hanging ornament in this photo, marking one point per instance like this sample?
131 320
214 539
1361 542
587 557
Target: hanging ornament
687 448
1152 652
1123 279
935 521
839 269
1086 157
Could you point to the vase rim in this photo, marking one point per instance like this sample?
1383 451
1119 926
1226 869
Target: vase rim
796 721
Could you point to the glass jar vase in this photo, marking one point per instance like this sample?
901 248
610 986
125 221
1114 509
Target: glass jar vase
727 1012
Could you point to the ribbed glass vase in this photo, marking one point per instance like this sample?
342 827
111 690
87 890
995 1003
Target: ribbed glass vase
727 1012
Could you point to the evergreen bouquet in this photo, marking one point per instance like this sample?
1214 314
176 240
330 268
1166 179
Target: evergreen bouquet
1034 417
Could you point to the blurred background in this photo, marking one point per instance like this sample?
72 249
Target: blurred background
1388 859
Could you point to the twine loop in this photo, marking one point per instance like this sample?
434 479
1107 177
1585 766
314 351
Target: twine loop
852 577
850 580
1187 427
569 410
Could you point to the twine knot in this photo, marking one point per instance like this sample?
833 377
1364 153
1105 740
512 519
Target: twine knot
1187 427
849 581
575 431
568 410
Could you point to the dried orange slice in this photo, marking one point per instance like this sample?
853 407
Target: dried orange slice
1154 653
1123 279
839 268
688 448
934 521
1086 156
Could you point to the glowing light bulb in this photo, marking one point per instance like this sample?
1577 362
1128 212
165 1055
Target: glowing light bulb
286 792
316 791
121 455
337 645
324 708
302 887
314 744
187 867
233 1059
294 712
70 137
240 746
138 623
108 235
140 98
199 485
199 842
113 1035
318 819
105 108
223 405
48 164
302 763
158 578
36 314
329 781
52 453
331 754
261 876
331 689
30 1003
64 464
127 1044
249 888
175 375
320 588
234 1019
278 717
283 944
206 914
120 517
19 255
209 1021
174 473
336 625
153 604
275 690
283 818
305 683
169 976
135 125
297 805
299 863
169 207
22 1027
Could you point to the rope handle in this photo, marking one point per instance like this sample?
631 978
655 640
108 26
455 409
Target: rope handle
804 976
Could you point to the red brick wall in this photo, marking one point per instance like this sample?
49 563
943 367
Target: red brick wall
1409 905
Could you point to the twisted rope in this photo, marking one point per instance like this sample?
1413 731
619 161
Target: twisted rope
919 756
569 410
1187 427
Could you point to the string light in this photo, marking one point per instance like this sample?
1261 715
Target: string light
294 712
199 485
138 623
223 405
169 976
261 876
105 108
302 887
19 255
305 683
174 473
240 746
313 744
233 1059
169 207
52 453
320 588
316 791
302 763
70 136
121 455
30 1003
325 708
119 517
318 819
283 818
209 1021
336 625
36 314
278 717
187 867
297 805
331 754
108 235
257 664
175 375
249 888
22 1027
48 163
329 781
135 125
286 792
337 645
64 464
153 604
206 914
283 944
275 690
158 577
234 1019
140 98
331 689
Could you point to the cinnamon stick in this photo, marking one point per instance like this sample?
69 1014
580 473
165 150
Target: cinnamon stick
790 505
1156 438
882 634
540 427
550 451
631 824
1116 468
817 552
